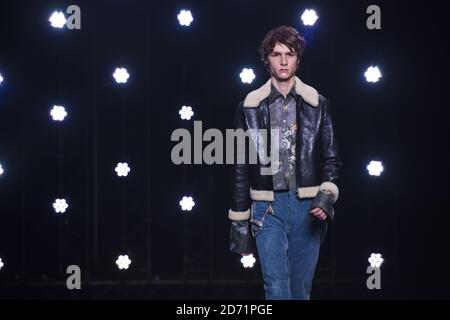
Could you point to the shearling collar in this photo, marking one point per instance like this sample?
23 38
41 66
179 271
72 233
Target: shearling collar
308 93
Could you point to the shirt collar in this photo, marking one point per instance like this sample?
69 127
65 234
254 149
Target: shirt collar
275 94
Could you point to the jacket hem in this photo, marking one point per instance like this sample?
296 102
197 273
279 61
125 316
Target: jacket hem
303 192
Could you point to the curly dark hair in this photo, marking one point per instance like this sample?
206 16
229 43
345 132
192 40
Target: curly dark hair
285 35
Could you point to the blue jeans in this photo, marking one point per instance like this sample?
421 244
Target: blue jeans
288 239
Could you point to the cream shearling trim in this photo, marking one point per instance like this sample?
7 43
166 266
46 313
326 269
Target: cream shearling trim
261 195
238 215
330 186
308 93
307 192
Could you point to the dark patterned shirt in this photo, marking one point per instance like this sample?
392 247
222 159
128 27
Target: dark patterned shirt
283 117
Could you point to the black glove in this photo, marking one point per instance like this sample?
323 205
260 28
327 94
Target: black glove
240 237
324 200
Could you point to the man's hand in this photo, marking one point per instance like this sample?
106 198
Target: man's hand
318 213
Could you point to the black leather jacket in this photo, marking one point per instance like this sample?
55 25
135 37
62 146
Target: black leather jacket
317 156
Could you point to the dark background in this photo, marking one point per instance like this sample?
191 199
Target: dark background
401 120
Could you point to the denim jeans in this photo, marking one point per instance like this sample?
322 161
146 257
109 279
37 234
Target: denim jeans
288 239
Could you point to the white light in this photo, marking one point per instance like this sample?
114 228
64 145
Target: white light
57 20
187 203
248 261
186 112
58 113
372 74
376 260
60 205
309 17
1 170
122 169
247 75
375 168
123 262
1 264
1 78
121 75
185 17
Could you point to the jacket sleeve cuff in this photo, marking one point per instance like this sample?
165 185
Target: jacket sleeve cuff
239 215
330 186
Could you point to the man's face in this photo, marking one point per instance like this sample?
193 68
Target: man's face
283 62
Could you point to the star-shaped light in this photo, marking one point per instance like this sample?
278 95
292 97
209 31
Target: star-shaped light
375 260
123 262
1 79
121 75
1 170
187 203
248 261
58 20
185 17
58 113
186 112
60 205
309 17
122 169
372 74
375 168
247 75
1 264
